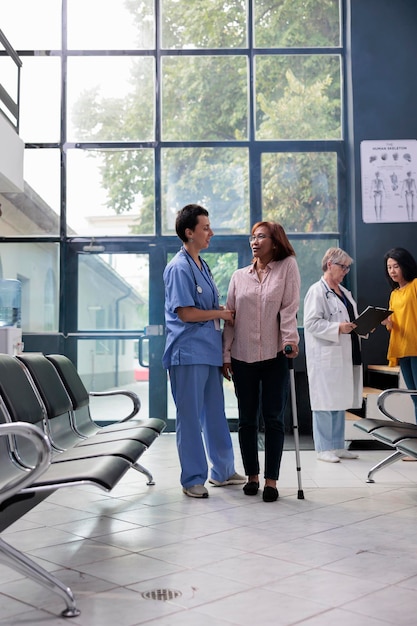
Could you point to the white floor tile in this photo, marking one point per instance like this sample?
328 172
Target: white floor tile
344 554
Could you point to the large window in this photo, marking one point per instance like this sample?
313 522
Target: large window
179 109
131 109
300 190
298 97
216 176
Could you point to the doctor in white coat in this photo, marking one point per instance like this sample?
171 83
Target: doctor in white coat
334 364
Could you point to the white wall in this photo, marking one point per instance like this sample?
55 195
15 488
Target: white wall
11 158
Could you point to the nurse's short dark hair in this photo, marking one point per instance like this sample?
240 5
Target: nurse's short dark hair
187 217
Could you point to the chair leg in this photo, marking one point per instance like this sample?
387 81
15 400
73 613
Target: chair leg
143 470
23 564
384 463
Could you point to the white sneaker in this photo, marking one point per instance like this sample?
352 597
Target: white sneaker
235 479
345 454
328 456
196 491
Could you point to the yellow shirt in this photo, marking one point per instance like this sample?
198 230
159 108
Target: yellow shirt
403 336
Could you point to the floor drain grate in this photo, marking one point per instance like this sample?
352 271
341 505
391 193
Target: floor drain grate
161 594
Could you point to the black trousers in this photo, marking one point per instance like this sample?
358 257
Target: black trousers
264 383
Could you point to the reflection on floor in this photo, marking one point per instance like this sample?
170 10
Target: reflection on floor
344 555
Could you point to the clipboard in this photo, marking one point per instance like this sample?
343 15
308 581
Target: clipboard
369 319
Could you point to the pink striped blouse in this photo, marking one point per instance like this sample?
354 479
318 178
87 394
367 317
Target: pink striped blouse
256 334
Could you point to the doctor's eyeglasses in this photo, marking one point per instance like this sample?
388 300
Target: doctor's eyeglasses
345 268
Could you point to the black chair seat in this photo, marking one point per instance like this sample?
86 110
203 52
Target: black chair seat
105 473
130 450
143 435
391 435
408 446
153 423
369 424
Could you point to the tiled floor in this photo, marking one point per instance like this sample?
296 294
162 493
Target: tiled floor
346 554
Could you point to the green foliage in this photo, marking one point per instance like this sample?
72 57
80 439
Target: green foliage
299 191
301 23
203 24
205 98
309 255
307 108
222 267
215 178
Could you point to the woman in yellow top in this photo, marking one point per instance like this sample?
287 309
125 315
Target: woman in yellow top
401 271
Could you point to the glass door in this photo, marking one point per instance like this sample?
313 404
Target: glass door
116 345
118 337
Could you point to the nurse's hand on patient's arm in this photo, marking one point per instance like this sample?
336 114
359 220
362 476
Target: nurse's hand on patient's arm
227 371
228 316
192 314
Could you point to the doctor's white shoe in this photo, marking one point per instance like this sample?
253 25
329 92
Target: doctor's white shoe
328 456
346 454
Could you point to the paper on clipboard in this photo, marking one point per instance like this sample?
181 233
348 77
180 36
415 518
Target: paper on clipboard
369 319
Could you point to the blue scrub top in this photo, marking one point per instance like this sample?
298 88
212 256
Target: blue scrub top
190 343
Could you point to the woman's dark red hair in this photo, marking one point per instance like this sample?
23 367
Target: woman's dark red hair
283 248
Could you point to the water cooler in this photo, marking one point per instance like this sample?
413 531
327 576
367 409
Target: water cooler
10 318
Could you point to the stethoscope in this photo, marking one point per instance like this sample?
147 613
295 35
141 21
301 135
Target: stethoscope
335 298
205 265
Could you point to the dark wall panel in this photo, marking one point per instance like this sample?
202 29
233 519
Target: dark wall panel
384 96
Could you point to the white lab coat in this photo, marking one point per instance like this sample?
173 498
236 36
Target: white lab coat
335 384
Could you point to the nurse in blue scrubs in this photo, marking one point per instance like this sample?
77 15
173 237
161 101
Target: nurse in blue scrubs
193 357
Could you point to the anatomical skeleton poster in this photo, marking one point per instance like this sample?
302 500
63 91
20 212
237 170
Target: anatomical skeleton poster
389 175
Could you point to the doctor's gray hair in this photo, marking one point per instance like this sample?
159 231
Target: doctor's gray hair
335 255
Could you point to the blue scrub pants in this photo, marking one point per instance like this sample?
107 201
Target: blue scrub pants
263 384
198 395
328 430
408 366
